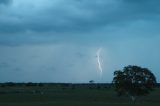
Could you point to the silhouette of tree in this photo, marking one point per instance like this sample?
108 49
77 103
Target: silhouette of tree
134 81
91 81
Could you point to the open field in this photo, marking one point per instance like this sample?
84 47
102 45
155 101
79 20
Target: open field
70 96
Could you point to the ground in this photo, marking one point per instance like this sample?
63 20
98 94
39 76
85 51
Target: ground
70 96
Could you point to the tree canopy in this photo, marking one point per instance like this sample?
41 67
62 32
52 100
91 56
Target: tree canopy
134 81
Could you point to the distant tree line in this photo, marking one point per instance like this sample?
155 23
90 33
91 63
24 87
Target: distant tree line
29 84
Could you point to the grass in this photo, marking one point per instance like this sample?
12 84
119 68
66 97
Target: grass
80 96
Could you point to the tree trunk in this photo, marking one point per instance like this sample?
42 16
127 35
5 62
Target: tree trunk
133 98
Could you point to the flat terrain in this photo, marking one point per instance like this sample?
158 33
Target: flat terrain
70 96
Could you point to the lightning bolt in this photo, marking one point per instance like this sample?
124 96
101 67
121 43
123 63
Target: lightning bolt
99 62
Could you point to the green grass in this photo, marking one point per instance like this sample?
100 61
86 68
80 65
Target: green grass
80 96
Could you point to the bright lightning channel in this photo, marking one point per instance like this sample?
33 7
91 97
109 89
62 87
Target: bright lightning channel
99 61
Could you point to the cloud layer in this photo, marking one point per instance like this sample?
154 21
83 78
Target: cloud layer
57 40
73 15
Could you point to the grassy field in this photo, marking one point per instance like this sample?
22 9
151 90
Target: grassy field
67 96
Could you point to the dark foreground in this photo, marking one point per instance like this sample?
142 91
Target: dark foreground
70 96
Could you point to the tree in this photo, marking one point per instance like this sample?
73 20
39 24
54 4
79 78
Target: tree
91 81
134 81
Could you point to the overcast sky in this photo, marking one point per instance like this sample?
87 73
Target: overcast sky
57 40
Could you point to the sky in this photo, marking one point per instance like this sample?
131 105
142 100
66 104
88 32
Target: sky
58 40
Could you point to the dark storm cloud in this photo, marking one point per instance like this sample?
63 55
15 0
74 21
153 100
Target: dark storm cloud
78 15
28 22
144 6
5 2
